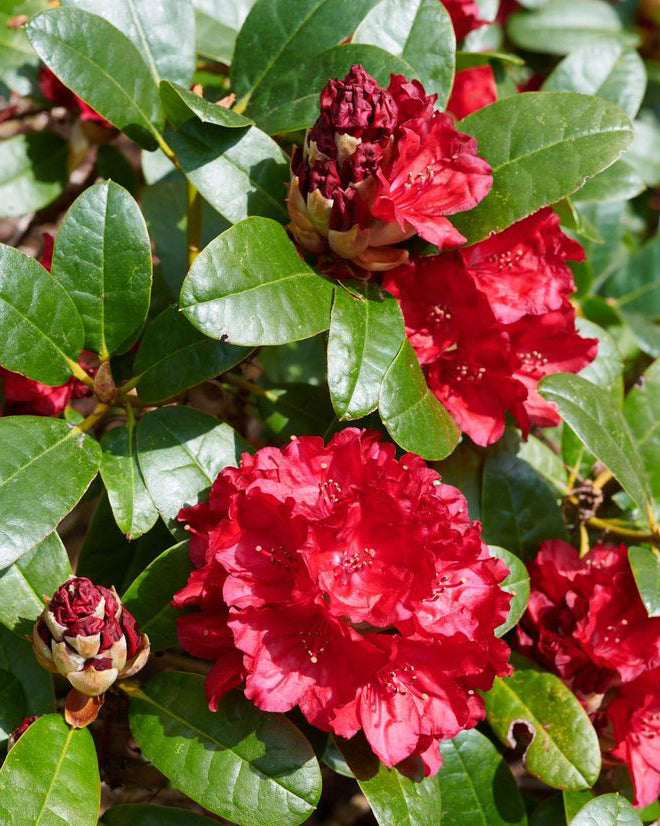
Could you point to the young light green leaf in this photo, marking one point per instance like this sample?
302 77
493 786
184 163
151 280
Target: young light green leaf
100 65
41 333
23 585
102 258
218 24
413 416
143 814
645 563
516 583
251 287
229 759
51 776
33 171
542 147
476 784
564 750
366 333
607 810
149 597
419 31
45 467
181 105
174 355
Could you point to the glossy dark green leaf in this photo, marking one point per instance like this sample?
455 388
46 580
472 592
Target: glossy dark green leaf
23 585
542 146
603 67
619 182
413 416
516 583
560 26
518 508
419 31
545 461
102 67
645 563
636 287
33 171
143 814
292 101
218 24
103 259
600 425
181 451
45 467
251 287
173 356
464 469
296 409
366 333
253 768
642 412
17 658
278 35
607 810
564 750
606 370
41 333
149 596
393 797
476 785
50 777
12 705
574 801
134 511
181 104
240 172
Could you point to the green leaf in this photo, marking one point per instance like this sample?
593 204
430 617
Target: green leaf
518 508
100 65
41 333
619 182
419 31
600 425
476 784
603 67
149 596
252 768
574 801
645 563
134 511
251 286
394 798
45 467
636 286
545 461
51 777
33 171
607 810
218 24
606 370
162 32
413 416
542 147
564 750
366 334
292 101
173 356
17 658
517 584
12 705
240 172
297 361
19 65
102 258
142 814
181 105
279 35
297 409
560 26
38 573
644 154
642 412
181 451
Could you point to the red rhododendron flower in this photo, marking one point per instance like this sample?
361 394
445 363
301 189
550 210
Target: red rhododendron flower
465 16
338 579
20 730
473 89
523 270
57 93
378 166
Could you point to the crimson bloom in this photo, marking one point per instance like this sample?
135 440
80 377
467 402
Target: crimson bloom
57 93
353 585
465 16
472 90
20 730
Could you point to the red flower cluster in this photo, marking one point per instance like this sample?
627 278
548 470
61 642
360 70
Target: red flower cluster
465 16
353 585
586 622
491 320
472 90
378 166
58 94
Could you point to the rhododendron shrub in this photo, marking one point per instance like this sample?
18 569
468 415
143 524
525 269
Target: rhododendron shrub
328 412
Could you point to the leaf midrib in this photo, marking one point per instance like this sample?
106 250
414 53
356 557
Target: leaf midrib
58 767
5 482
261 285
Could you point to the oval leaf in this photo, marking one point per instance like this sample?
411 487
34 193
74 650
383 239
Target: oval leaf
366 333
607 810
619 182
12 705
542 146
517 584
218 24
252 768
45 467
645 563
251 287
51 776
181 104
564 750
142 814
642 412
41 333
413 416
17 658
33 172
636 286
